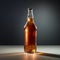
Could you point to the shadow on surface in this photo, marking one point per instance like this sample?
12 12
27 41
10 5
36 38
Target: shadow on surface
48 54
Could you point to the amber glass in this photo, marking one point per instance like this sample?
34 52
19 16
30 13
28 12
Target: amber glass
30 36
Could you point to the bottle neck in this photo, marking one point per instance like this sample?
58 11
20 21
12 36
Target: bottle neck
30 16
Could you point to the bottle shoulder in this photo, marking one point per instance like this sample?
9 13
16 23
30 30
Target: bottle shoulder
30 26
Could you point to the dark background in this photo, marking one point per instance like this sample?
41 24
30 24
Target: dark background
13 14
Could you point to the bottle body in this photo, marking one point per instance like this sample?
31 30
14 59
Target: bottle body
30 36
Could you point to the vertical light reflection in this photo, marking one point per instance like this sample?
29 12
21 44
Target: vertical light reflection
25 56
34 56
26 35
28 56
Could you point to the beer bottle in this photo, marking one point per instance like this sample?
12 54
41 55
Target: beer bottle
30 33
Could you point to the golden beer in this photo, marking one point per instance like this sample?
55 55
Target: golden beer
30 33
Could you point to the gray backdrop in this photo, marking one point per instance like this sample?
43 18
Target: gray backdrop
13 16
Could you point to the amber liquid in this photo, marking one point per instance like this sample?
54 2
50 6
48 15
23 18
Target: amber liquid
30 34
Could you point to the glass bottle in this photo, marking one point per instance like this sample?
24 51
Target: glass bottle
30 33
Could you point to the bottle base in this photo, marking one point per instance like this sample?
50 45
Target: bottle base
33 51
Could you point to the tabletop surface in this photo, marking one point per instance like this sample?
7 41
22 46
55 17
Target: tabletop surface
54 49
17 53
